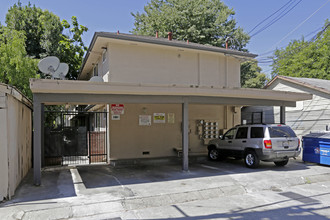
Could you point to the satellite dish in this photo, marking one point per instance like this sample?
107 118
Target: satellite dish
96 79
52 67
49 65
61 71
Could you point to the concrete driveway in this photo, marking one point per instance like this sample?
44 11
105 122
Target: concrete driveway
210 190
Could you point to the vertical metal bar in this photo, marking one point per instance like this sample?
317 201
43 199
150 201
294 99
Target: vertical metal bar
282 114
37 140
185 137
97 134
106 138
99 137
89 138
62 141
42 135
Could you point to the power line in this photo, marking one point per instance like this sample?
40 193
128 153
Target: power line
281 15
268 17
313 32
314 38
287 9
299 25
318 30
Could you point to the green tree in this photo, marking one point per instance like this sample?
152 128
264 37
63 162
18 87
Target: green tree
71 48
16 68
252 77
301 58
46 35
207 22
200 21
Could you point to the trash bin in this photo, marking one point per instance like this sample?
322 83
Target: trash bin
316 148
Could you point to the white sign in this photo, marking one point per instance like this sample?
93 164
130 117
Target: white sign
159 117
115 117
117 109
144 120
170 118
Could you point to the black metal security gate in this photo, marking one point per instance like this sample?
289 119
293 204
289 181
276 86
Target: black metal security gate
75 137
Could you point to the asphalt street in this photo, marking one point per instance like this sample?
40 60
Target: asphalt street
210 190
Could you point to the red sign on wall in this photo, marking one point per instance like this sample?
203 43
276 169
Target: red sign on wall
117 109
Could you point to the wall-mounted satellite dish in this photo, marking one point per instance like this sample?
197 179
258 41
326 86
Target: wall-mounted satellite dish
96 79
52 67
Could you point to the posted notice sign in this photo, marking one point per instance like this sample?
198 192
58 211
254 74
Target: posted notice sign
144 120
117 109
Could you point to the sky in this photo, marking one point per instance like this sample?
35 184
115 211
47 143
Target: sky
305 19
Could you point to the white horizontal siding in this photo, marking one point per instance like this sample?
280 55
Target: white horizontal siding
313 116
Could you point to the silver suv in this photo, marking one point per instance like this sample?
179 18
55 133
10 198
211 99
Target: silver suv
266 142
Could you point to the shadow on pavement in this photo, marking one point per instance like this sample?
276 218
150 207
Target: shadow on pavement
58 183
55 184
305 211
106 176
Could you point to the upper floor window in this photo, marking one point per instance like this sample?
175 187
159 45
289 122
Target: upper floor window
95 70
104 55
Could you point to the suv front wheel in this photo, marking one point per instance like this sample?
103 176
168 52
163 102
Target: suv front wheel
251 159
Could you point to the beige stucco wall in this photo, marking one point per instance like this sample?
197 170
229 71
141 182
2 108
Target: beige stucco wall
3 151
166 65
129 140
16 144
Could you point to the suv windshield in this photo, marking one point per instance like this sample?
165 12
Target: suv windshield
230 134
281 131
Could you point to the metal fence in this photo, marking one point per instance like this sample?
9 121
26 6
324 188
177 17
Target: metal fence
72 138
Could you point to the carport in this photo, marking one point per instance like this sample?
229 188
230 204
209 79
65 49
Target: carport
55 92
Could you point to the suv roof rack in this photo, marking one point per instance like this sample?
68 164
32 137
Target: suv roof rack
253 124
261 124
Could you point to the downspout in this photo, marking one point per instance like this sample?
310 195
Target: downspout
198 70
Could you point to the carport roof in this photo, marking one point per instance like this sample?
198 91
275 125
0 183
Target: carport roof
86 92
52 92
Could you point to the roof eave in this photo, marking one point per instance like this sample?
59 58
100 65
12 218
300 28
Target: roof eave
307 85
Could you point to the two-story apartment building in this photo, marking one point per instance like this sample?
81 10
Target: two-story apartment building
161 94
149 61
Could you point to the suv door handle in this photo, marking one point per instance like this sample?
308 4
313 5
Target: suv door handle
229 141
243 141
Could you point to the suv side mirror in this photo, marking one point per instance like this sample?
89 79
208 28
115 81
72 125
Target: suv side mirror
221 137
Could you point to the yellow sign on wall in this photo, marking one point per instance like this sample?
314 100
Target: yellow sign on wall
159 117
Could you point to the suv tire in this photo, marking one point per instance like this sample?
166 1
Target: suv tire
214 154
251 159
282 163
